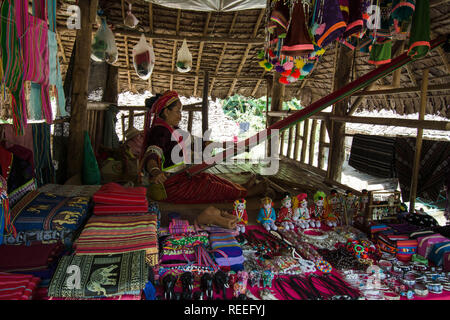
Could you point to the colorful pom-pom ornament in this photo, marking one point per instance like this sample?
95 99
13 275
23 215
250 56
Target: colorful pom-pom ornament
283 80
301 77
268 66
286 73
295 73
262 63
279 69
308 67
271 54
261 55
299 63
291 79
288 65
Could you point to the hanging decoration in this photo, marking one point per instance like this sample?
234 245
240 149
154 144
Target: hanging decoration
104 46
298 32
184 58
143 58
130 20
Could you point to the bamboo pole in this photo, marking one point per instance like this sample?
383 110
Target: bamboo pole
321 144
312 142
416 165
297 141
289 150
304 140
205 103
190 120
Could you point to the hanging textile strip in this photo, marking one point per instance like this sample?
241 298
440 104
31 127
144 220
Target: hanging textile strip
13 65
33 35
45 171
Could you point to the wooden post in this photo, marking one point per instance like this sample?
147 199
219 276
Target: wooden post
205 102
130 119
416 165
304 140
78 124
190 120
277 99
289 150
282 142
337 144
297 141
269 83
321 144
312 142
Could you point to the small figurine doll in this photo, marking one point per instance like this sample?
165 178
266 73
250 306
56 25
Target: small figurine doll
267 215
301 212
334 209
285 215
362 206
241 213
350 207
317 210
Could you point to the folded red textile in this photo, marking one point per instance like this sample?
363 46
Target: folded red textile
17 286
115 194
102 210
28 258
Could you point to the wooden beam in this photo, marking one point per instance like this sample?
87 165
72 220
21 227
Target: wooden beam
397 122
174 50
205 102
297 141
150 26
289 150
247 50
162 36
304 140
411 75
200 51
222 53
321 145
418 151
359 100
88 9
312 142
61 47
258 83
435 3
127 59
437 87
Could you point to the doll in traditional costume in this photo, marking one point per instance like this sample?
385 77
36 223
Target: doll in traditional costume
301 212
317 210
350 207
241 213
267 216
363 202
334 208
285 215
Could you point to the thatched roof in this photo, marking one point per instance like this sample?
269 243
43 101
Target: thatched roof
233 65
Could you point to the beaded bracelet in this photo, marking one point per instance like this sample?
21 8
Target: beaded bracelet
323 266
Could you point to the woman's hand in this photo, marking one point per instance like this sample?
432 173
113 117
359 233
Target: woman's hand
159 178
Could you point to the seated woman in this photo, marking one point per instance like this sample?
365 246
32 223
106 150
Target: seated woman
156 163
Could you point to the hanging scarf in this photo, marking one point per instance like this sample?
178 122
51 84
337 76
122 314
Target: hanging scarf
419 40
12 65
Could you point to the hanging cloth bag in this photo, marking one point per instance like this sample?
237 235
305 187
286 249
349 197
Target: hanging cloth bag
329 22
184 58
12 64
33 34
143 58
104 46
130 20
419 40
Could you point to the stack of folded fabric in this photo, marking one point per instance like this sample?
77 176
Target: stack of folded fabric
17 286
113 199
68 190
38 260
119 234
45 217
226 250
109 277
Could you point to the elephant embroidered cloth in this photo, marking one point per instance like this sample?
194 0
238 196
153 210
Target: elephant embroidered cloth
95 276
38 211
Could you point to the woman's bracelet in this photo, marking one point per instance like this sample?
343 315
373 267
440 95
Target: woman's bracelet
153 169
